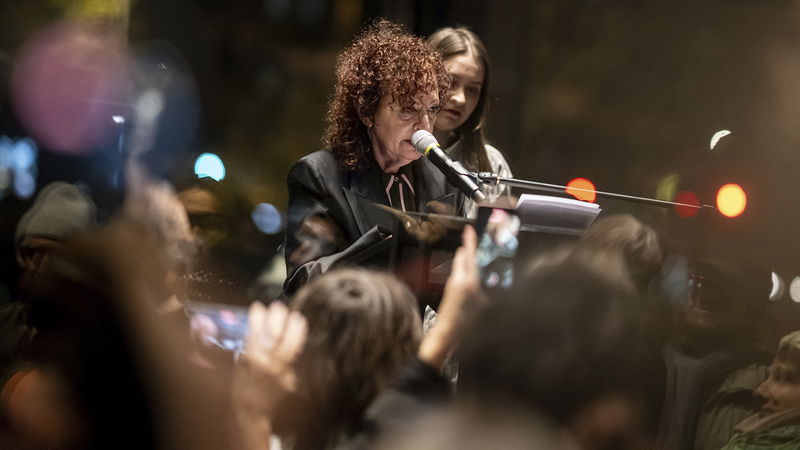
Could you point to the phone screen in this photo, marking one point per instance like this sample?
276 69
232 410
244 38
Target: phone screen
498 240
218 324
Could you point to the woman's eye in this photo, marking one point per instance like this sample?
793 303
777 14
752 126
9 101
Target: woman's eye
473 90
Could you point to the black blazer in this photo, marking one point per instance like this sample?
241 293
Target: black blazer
345 201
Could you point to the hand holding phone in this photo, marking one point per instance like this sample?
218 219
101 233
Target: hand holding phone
218 324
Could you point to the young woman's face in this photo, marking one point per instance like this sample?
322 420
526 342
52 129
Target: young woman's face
468 74
781 389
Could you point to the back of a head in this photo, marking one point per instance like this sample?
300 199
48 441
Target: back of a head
85 338
570 332
464 428
59 211
638 243
113 353
363 327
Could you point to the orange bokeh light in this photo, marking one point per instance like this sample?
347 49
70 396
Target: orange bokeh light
731 200
582 189
687 198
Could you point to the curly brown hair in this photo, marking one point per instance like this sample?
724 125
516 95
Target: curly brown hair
385 59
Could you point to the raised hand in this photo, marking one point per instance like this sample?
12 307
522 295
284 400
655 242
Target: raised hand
462 296
265 373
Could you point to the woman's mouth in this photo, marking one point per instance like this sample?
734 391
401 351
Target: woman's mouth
452 113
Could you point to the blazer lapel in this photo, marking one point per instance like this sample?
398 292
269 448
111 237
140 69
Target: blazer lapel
363 192
433 186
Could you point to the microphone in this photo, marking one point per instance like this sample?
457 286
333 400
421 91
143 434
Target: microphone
456 174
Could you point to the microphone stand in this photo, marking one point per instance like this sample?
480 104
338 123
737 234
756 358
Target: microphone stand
493 179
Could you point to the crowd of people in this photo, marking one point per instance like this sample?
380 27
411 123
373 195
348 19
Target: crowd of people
584 350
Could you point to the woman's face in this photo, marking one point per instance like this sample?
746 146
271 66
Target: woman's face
781 389
465 91
392 127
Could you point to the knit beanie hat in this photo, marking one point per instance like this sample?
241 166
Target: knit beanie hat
60 209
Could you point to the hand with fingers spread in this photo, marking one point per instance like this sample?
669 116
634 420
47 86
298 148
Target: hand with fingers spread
265 373
462 296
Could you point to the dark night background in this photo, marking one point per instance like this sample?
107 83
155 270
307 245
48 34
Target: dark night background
625 93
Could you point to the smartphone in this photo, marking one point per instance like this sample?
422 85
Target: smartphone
218 324
498 241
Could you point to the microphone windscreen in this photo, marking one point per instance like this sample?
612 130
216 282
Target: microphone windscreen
423 141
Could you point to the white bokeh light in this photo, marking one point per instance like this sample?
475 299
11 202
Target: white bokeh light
794 290
267 218
717 136
209 165
777 287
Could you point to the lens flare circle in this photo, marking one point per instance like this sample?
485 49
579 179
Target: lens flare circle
794 290
731 200
582 189
267 218
687 198
67 81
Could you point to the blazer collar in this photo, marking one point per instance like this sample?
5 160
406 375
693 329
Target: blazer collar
364 189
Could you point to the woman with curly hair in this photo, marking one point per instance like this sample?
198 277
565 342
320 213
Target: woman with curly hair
460 125
389 84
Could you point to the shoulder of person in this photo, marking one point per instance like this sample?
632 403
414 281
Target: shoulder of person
320 159
320 162
493 152
315 171
497 160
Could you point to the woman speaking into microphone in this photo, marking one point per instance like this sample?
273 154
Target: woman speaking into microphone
389 84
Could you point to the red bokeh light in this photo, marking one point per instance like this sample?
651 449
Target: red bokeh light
687 198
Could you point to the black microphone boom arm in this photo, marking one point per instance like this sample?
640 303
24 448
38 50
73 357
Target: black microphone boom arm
493 179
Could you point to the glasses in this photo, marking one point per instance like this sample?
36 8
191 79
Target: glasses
410 112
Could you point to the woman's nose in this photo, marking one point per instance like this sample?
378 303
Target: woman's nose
457 96
762 390
424 123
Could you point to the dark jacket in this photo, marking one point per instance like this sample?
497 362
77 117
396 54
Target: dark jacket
342 205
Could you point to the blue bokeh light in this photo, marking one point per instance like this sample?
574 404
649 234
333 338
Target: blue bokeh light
24 184
5 152
23 154
267 218
209 165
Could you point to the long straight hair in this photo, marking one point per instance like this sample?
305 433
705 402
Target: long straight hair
450 42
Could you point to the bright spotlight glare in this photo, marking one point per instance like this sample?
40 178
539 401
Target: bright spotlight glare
118 119
209 165
267 218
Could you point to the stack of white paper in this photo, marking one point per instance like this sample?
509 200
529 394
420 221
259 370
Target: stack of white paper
556 212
